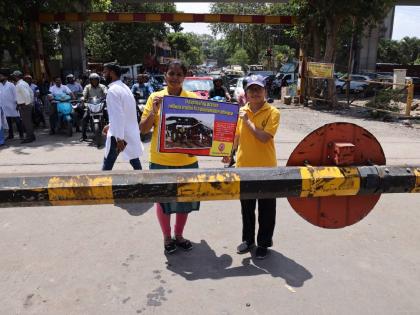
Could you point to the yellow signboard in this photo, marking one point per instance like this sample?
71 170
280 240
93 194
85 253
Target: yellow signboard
320 70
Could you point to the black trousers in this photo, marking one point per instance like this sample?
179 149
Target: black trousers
266 221
18 123
53 116
85 122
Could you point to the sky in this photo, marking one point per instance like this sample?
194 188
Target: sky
406 21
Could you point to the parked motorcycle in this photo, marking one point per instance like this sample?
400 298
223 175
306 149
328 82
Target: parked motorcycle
97 110
64 112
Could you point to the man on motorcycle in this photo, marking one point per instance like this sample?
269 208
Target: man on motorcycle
74 86
93 89
219 89
57 88
142 89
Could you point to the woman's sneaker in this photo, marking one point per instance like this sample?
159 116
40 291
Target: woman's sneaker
261 252
244 247
183 243
170 247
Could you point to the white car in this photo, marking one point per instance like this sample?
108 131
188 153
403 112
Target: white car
239 89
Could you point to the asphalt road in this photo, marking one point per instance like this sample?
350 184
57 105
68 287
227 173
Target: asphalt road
108 259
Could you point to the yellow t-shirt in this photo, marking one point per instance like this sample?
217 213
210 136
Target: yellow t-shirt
251 151
168 159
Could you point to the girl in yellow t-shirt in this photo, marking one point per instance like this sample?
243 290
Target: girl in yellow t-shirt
174 77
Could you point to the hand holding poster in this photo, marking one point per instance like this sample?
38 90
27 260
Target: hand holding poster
197 126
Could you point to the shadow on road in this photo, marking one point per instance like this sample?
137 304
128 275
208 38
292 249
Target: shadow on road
49 142
203 263
135 209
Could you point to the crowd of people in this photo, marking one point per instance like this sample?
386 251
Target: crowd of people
24 104
254 139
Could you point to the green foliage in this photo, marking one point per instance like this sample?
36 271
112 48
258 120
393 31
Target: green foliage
16 32
179 41
192 57
405 51
240 57
388 99
126 43
254 39
284 53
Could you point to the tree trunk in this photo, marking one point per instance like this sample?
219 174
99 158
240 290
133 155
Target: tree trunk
332 26
316 41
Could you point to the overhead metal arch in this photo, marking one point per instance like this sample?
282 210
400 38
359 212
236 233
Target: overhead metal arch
142 17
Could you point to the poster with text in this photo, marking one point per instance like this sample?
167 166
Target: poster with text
197 126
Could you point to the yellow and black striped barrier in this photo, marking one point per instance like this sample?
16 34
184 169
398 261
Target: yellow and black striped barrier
204 184
142 17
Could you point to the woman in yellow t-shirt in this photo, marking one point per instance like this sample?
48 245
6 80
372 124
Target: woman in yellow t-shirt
174 77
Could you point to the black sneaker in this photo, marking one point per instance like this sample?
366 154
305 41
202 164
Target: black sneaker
261 252
183 243
170 247
244 247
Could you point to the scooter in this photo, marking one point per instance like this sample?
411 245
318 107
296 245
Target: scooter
97 110
65 112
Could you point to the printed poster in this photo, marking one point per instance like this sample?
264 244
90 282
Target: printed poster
318 70
197 126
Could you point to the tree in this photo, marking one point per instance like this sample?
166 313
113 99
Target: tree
192 57
252 38
127 43
329 17
240 57
320 23
180 42
16 28
405 51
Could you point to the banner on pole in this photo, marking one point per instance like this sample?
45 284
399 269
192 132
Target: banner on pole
318 70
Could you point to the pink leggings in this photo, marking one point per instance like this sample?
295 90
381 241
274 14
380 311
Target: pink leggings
165 222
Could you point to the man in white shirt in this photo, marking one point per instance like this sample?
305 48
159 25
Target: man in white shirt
38 115
57 88
8 103
25 100
123 133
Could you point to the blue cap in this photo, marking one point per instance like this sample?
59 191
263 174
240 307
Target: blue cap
255 79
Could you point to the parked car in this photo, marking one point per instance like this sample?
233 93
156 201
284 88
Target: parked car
358 84
232 86
199 85
238 89
385 76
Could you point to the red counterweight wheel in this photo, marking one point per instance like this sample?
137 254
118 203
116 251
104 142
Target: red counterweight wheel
336 144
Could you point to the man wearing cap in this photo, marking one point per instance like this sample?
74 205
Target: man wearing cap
123 133
254 139
8 104
25 100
